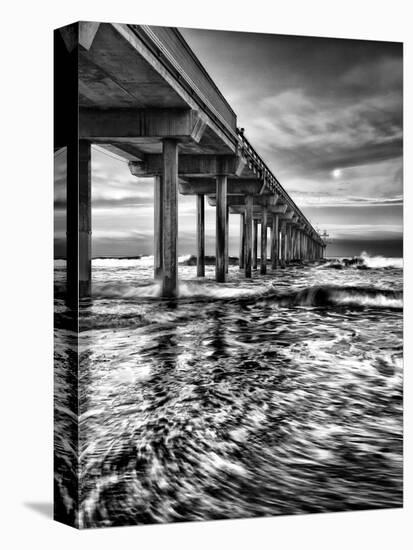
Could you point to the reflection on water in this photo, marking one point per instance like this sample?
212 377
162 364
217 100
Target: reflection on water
66 411
238 400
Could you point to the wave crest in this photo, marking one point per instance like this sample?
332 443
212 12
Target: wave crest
323 296
364 261
314 296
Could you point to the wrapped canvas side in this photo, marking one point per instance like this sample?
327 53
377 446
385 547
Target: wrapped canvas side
66 287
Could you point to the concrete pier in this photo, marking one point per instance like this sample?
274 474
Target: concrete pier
283 244
248 235
263 262
241 241
221 228
158 227
216 161
170 218
200 235
255 245
227 240
274 242
79 222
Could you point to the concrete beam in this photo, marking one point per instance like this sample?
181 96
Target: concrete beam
279 209
259 200
140 124
191 165
257 210
207 187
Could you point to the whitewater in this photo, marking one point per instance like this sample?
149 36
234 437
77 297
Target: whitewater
282 394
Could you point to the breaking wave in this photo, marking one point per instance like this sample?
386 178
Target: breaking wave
364 261
345 296
314 296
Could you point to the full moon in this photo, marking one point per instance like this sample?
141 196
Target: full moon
337 173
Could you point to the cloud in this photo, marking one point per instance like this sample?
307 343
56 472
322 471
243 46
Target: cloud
310 106
306 134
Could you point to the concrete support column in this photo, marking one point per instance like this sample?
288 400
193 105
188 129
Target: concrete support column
200 235
85 219
241 241
157 228
288 243
227 240
170 218
301 245
296 241
263 263
255 244
248 235
270 227
221 230
274 242
298 244
282 244
79 222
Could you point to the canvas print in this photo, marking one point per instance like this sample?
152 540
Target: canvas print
228 275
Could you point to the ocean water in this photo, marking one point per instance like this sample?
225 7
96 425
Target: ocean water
281 394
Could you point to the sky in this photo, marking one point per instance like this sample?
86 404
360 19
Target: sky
326 116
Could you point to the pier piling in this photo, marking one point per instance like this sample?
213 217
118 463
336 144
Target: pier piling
158 227
200 236
248 235
263 263
274 242
241 240
221 230
79 221
255 244
170 218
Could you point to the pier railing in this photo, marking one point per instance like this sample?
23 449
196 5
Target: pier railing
258 165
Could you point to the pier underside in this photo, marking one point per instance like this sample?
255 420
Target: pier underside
140 93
